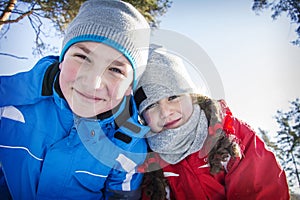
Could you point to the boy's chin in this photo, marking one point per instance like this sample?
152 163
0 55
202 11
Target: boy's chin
93 110
86 113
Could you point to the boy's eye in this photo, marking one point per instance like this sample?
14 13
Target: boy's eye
173 97
82 56
150 106
117 70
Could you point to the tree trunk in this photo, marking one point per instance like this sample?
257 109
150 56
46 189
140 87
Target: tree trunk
7 12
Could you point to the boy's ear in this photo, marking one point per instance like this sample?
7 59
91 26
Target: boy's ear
60 66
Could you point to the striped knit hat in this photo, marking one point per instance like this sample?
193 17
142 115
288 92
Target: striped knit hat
114 23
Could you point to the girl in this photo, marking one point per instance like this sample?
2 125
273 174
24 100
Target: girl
203 151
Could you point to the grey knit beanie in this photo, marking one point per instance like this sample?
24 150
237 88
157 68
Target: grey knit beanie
115 23
165 76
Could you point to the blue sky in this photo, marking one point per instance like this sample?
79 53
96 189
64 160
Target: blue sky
258 66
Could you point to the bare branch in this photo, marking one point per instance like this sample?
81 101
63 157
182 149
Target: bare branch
14 56
37 29
17 19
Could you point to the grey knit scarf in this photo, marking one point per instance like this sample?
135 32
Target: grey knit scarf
173 145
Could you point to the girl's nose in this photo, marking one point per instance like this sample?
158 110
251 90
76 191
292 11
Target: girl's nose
165 109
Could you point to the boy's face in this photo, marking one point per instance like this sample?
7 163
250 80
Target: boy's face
94 78
169 113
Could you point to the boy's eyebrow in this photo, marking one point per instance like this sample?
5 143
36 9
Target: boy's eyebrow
83 48
119 63
88 51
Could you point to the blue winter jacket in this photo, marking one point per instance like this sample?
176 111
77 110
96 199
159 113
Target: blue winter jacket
46 152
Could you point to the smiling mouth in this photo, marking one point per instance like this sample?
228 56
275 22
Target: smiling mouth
88 97
172 124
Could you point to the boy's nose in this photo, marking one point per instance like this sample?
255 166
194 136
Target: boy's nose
93 80
98 82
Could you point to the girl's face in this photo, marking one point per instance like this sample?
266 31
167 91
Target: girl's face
169 113
94 78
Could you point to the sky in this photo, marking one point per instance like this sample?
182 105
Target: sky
252 54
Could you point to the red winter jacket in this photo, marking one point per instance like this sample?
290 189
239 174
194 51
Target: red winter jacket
256 175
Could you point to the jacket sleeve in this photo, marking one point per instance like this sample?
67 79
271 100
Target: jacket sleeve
124 181
25 87
257 175
117 187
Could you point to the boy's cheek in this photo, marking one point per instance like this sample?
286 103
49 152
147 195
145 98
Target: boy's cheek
68 73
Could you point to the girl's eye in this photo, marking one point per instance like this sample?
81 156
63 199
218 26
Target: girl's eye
151 106
173 97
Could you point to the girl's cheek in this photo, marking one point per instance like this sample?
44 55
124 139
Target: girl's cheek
149 118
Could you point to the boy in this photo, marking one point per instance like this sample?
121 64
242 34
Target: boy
69 126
